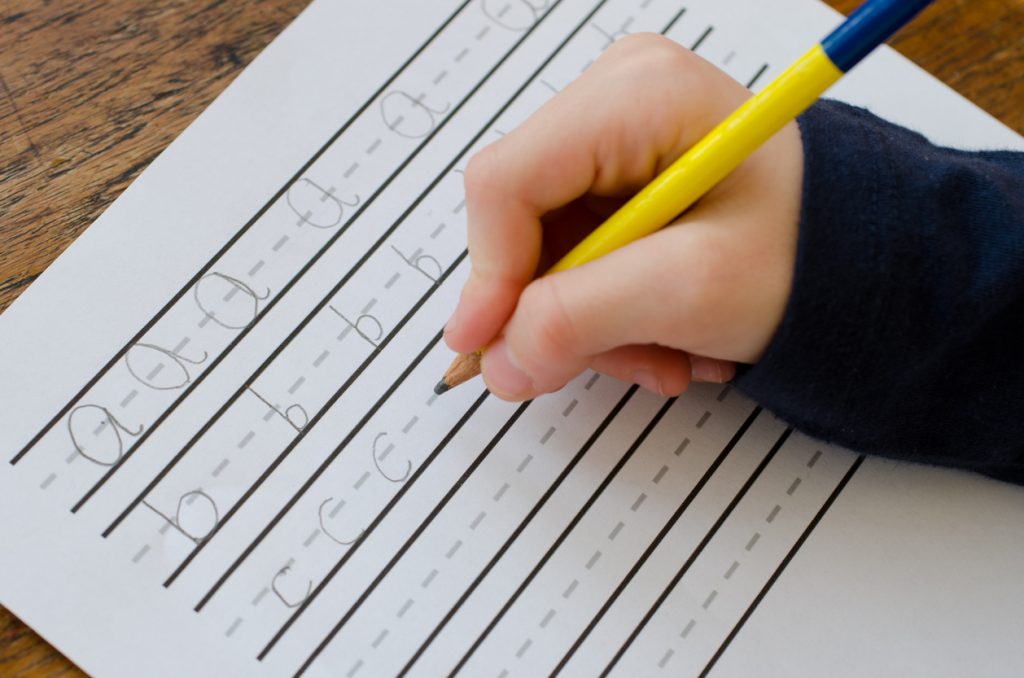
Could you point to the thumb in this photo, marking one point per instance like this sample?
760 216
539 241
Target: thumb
640 294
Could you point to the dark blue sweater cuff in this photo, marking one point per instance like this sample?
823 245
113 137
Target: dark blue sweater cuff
904 333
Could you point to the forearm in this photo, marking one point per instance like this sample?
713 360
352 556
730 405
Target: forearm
903 333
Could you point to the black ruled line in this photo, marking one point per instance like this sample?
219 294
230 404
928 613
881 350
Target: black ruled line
434 512
483 130
547 555
757 76
316 419
782 566
702 38
378 349
452 432
658 539
234 239
527 519
670 587
358 266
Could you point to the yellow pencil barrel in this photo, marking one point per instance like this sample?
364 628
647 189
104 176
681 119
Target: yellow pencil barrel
708 162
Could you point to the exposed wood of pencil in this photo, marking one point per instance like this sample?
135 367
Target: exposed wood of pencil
463 368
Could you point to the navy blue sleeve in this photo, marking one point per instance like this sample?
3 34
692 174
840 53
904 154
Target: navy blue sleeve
904 333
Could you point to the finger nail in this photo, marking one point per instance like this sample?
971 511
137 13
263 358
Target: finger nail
504 378
706 369
648 380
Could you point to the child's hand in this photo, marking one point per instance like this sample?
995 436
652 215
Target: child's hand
686 301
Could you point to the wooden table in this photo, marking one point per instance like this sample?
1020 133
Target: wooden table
92 91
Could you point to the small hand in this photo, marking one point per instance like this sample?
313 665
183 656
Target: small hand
684 303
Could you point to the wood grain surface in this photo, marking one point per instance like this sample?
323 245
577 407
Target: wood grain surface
91 91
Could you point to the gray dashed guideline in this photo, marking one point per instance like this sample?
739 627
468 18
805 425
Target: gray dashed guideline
462 54
429 578
725 392
501 492
437 231
99 429
547 435
392 280
688 628
773 514
312 537
412 422
405 608
483 31
321 358
814 459
710 599
256 267
547 618
682 446
638 503
297 385
590 382
615 531
337 508
351 169
793 486
380 638
569 589
181 344
440 76
49 479
373 147
355 669
362 479
703 419
220 467
71 457
454 549
459 207
280 243
523 648
234 627
659 475
479 519
753 541
247 438
572 406
665 658
261 595
524 463
142 552
593 560
732 569
129 398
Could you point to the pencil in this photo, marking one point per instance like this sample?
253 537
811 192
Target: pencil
730 143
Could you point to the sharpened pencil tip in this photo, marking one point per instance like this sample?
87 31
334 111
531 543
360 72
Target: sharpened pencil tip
441 387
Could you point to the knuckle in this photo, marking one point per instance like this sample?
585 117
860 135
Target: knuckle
555 332
482 170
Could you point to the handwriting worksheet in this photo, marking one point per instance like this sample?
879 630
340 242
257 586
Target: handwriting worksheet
223 456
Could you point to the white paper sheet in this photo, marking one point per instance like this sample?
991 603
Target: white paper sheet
226 459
